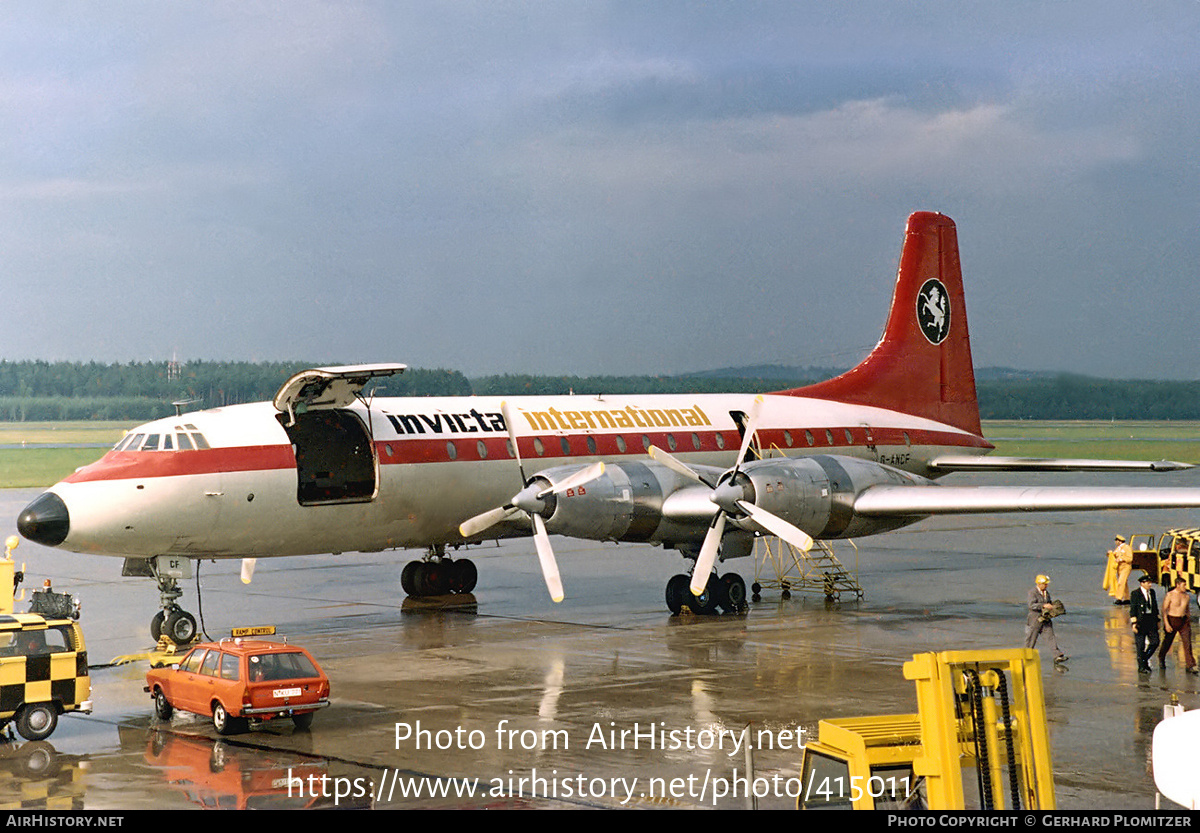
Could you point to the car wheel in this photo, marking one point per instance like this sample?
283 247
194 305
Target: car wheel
37 721
180 627
224 722
162 706
38 759
303 721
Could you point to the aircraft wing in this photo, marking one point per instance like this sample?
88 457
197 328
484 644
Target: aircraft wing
964 462
907 501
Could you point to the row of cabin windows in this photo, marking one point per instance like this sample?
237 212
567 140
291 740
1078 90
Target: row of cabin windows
185 438
672 443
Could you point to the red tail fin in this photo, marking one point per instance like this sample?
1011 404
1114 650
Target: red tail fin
922 365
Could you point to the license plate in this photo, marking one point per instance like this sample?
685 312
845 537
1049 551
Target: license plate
286 692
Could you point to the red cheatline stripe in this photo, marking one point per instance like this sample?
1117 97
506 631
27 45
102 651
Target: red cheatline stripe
410 450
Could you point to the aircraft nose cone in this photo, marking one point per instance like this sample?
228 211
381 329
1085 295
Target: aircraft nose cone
45 521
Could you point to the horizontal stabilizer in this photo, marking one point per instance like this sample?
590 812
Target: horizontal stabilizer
966 462
908 501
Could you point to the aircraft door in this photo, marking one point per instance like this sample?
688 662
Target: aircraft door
335 457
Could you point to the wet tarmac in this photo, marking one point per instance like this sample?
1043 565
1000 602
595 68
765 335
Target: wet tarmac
525 702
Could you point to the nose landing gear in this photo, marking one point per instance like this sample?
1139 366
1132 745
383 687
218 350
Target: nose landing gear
173 622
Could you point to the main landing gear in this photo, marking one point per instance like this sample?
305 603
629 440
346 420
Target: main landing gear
438 575
725 593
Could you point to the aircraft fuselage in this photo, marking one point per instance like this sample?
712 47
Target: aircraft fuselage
406 472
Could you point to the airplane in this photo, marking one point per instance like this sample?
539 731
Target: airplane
327 468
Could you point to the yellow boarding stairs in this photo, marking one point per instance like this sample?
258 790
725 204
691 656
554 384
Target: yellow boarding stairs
780 566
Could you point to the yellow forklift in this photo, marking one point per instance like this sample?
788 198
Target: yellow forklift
979 712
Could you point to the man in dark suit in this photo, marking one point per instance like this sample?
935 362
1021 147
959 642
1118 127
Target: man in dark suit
1143 616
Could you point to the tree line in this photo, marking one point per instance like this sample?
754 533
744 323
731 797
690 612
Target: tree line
40 390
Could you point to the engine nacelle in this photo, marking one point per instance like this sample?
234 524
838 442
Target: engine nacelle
623 504
817 493
648 502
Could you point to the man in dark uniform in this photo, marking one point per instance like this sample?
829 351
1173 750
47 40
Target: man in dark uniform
1143 616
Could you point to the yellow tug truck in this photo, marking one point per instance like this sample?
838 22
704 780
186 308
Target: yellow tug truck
43 658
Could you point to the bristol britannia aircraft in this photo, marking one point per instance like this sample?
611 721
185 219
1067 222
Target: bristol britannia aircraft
325 468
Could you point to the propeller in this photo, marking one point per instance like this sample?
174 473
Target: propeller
248 565
530 501
730 498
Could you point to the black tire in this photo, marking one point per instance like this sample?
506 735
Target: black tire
733 597
180 627
677 592
408 578
304 721
466 575
431 578
38 759
36 721
706 603
162 706
156 625
224 722
219 757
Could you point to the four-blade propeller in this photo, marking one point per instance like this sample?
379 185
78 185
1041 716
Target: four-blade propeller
531 501
729 494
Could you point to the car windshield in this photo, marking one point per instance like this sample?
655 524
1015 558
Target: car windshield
283 666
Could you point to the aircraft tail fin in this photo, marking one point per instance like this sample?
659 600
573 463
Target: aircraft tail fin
922 365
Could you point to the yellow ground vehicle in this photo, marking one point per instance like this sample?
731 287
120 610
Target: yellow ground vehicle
981 711
43 663
1175 553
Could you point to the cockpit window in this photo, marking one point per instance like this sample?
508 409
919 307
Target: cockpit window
163 442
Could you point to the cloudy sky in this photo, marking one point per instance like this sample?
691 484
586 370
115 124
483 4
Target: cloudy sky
570 187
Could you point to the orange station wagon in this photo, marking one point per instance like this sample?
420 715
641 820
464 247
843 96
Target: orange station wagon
236 681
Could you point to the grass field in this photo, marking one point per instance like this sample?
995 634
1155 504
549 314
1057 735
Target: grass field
33 467
15 433
25 467
1127 440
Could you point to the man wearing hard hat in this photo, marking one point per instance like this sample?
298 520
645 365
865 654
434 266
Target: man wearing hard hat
1040 620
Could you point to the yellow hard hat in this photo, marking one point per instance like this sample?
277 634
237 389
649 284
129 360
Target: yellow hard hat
1121 538
1042 580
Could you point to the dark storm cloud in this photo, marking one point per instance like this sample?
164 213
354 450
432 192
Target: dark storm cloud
591 188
